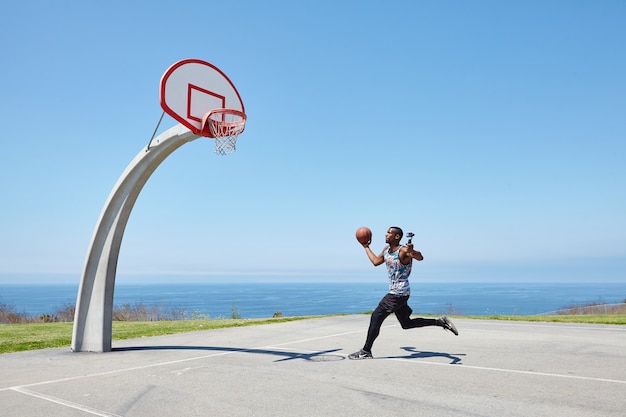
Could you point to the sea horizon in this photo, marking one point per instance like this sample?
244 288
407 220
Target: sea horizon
263 299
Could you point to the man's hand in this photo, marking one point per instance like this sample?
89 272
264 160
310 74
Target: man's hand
417 255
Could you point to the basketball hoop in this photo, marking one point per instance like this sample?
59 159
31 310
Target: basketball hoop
224 125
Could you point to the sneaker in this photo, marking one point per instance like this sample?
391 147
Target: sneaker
361 354
447 325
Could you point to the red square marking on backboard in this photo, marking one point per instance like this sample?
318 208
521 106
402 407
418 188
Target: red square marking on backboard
201 101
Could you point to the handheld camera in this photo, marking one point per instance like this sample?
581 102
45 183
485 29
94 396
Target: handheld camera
410 236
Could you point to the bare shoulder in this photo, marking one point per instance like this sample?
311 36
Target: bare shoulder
405 254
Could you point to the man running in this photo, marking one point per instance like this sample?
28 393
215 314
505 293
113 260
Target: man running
399 260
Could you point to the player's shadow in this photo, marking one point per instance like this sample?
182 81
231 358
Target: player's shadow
418 354
284 355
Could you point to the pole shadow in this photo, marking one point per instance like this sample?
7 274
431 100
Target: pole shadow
321 356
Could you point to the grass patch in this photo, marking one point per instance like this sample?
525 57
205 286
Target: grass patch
31 336
133 329
583 319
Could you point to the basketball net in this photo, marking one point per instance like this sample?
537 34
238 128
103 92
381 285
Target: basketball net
224 125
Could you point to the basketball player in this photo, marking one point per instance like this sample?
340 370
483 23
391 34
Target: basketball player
398 260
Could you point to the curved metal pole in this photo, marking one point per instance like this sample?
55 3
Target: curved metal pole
94 304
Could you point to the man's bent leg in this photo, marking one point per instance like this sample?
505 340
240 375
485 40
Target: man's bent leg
403 314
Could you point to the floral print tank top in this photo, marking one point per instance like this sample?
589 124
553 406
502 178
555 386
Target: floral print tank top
398 272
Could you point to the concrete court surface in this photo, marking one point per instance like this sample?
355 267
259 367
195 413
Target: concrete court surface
300 368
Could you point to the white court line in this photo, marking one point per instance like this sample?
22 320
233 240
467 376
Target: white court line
90 410
157 364
65 403
324 337
483 368
22 389
568 326
512 371
122 370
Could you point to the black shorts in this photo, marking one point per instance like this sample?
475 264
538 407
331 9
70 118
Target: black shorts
392 303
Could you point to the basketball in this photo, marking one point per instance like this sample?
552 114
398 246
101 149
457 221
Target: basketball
363 235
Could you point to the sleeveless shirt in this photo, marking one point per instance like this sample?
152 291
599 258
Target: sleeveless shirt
398 272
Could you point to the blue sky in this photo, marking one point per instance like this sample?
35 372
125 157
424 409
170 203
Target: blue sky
495 131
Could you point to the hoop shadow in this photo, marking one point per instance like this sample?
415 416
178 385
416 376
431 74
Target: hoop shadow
321 356
417 354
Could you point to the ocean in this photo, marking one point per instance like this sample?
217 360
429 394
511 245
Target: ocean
259 300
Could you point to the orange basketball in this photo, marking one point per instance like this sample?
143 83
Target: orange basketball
363 235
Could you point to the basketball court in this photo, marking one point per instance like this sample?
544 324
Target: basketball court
296 368
493 368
